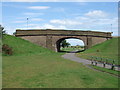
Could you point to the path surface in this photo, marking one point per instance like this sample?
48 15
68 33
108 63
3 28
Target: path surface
73 57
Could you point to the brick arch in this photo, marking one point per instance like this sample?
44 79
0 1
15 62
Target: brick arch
61 39
56 40
49 38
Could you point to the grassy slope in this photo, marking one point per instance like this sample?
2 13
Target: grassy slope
106 70
107 49
23 47
46 69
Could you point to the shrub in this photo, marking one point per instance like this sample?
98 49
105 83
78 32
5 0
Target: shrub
6 49
97 50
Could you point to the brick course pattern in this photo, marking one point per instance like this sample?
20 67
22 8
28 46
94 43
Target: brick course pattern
51 39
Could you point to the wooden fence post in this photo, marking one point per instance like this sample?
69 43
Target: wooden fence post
112 67
92 60
96 63
104 64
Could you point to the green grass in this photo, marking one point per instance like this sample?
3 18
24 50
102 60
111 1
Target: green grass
51 71
107 49
106 70
70 49
46 69
23 47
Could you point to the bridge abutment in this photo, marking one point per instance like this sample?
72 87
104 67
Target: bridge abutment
51 38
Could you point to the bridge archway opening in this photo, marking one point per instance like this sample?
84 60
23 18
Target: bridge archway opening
70 44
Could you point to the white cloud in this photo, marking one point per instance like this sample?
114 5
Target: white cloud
21 0
82 3
96 14
36 19
29 13
49 26
107 21
24 20
32 15
57 21
60 0
75 42
65 22
44 26
59 9
18 21
30 25
39 7
84 22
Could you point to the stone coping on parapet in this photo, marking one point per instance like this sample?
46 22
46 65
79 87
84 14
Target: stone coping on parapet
54 32
60 30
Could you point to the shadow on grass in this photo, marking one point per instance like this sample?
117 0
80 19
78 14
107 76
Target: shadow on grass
77 51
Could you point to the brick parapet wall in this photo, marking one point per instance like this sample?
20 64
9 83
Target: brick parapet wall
62 32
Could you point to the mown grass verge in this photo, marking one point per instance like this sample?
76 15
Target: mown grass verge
32 66
106 50
106 70
51 71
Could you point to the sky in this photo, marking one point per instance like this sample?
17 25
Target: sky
60 0
94 16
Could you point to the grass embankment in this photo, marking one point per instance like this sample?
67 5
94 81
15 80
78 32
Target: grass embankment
46 69
23 47
106 50
106 70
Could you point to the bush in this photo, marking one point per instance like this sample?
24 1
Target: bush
6 49
97 50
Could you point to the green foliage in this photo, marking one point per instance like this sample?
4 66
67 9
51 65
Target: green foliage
64 43
2 31
14 33
7 50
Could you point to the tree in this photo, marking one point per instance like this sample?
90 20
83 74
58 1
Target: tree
1 30
14 33
64 44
